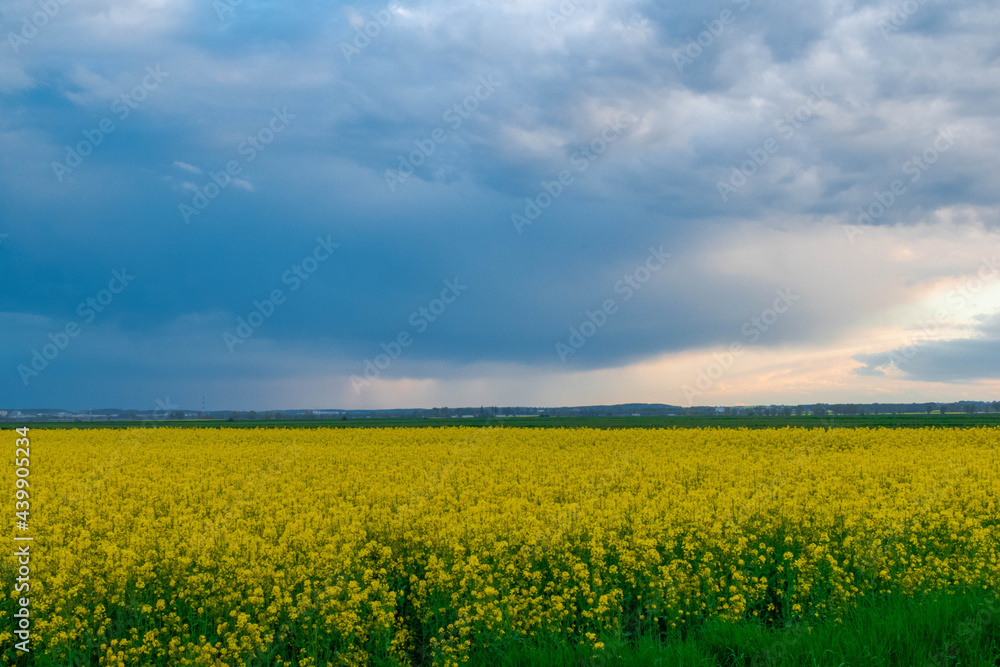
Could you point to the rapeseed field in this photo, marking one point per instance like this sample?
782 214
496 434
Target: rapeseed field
319 547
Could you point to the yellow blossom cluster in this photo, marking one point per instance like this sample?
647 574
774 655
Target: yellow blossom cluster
320 547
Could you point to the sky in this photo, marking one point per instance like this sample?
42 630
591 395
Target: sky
424 203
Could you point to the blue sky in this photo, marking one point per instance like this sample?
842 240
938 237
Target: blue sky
418 204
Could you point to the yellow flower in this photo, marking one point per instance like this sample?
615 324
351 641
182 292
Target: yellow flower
347 539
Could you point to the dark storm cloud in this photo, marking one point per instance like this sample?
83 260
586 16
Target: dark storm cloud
487 104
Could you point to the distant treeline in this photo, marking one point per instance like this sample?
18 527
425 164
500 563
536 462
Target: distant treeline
495 412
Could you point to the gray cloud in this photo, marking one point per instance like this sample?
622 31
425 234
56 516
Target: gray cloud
957 360
657 184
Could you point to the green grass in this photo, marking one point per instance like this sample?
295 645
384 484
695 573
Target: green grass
929 631
887 421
